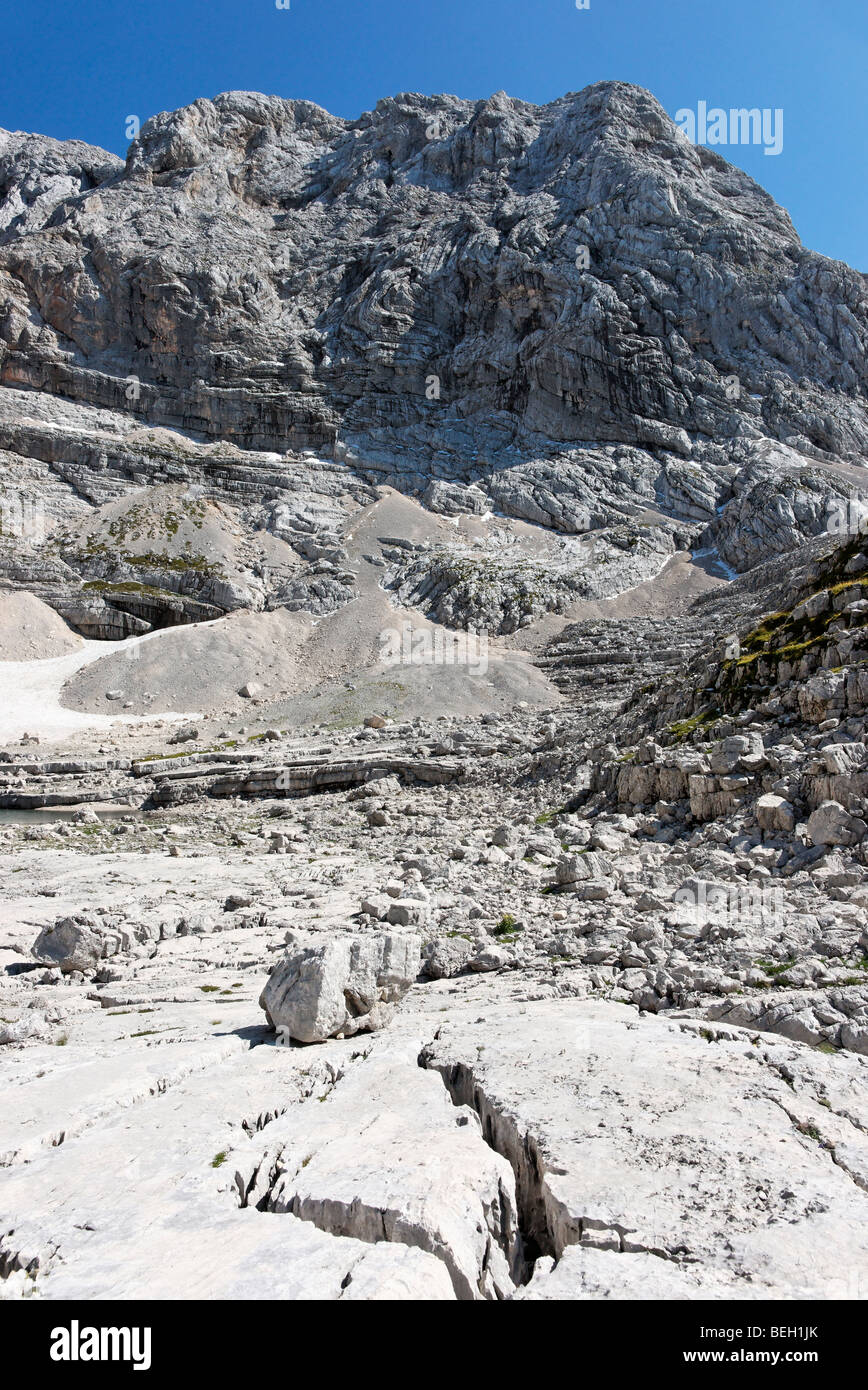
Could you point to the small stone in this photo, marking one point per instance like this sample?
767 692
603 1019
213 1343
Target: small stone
408 912
775 813
236 900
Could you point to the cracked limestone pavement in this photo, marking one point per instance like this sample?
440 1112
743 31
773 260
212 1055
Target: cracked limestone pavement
525 1127
524 1146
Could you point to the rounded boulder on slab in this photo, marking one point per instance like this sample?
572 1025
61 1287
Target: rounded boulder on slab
79 942
347 985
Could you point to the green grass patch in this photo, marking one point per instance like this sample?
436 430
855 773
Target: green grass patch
774 968
683 728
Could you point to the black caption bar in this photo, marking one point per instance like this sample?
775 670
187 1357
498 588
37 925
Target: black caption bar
143 1339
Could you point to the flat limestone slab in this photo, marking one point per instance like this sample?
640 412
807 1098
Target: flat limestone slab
141 1205
552 1148
387 1156
633 1135
62 1099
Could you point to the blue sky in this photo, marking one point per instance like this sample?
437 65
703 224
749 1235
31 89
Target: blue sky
80 69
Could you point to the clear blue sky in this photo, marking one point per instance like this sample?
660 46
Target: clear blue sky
80 69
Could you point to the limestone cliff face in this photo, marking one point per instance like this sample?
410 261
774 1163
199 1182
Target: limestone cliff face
415 284
566 315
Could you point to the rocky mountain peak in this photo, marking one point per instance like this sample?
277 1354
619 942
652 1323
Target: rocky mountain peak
576 271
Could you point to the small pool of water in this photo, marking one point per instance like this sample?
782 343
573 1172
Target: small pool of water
43 814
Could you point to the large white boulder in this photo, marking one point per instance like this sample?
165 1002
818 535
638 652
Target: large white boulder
83 941
346 984
831 824
843 759
740 751
577 868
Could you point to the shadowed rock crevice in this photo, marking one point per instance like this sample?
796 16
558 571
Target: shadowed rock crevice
385 1157
540 1235
547 1225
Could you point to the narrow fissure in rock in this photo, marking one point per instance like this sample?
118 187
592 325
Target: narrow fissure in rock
539 1235
265 1183
546 1225
357 1220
